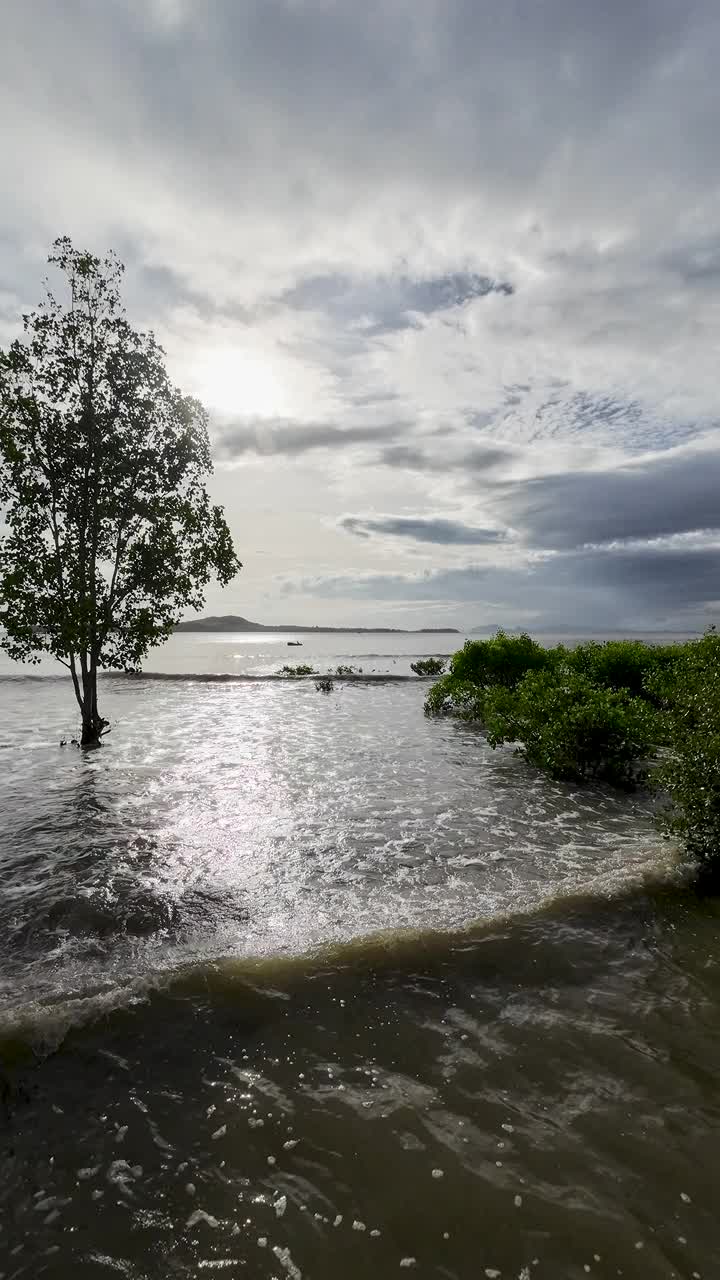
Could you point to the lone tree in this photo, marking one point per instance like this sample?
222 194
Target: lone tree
110 533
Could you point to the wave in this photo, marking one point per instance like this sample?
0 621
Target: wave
220 677
205 677
225 677
506 942
228 677
27 677
395 657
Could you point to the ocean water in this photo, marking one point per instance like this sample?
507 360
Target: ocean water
294 984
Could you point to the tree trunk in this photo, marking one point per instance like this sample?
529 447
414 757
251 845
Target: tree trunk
93 724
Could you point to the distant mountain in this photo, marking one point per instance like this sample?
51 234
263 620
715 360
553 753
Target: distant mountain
230 622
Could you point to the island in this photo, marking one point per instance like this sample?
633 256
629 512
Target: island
231 622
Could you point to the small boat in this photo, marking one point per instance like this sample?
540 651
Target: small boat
294 643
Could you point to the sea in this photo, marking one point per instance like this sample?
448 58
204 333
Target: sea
296 984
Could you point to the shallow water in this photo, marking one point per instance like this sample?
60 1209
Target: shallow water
304 984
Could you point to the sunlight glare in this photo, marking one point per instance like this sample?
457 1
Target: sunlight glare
232 381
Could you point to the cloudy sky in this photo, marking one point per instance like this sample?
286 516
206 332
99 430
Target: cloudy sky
445 272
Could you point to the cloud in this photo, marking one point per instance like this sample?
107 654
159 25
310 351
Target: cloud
449 457
667 493
422 529
661 579
461 254
387 303
271 438
591 589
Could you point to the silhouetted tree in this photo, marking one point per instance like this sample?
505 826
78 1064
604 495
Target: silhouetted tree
110 530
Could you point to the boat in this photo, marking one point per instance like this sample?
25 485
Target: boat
292 643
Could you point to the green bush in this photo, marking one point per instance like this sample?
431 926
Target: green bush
428 666
440 696
503 660
600 711
302 670
461 697
623 664
481 665
341 671
690 773
324 684
572 728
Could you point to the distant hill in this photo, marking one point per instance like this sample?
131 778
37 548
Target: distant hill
230 622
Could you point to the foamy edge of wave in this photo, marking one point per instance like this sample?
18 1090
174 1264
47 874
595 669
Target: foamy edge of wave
40 1027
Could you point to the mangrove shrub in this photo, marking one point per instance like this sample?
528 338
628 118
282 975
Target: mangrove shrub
601 711
572 728
481 665
623 664
690 771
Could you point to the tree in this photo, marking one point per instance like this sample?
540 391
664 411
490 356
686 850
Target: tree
110 531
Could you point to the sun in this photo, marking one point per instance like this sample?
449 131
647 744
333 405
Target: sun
233 381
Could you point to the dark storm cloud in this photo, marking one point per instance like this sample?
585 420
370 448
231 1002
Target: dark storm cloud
599 589
270 437
678 492
421 529
658 577
386 304
442 584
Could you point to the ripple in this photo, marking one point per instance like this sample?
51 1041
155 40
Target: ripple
241 820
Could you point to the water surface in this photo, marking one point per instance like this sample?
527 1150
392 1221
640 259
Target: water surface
304 984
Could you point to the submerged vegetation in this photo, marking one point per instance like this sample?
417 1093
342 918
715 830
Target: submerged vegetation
603 711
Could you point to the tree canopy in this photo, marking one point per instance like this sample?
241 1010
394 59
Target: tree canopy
110 532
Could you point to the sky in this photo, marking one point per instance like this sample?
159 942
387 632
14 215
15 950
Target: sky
446 274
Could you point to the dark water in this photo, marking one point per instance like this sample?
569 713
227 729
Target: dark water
303 985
